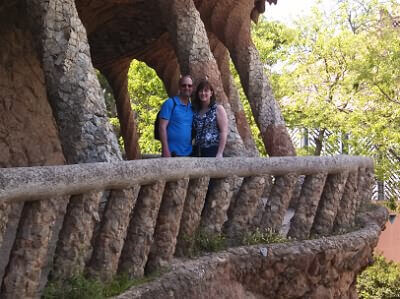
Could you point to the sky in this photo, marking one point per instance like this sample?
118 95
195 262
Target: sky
287 10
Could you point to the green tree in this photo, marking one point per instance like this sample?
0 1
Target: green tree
380 281
338 72
147 93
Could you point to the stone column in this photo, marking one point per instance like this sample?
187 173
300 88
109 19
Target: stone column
262 201
192 49
303 218
329 203
79 110
191 216
112 233
278 202
365 191
141 229
28 137
167 228
74 246
217 203
117 76
163 60
221 55
245 206
230 22
346 212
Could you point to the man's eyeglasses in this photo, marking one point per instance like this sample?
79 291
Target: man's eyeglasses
186 85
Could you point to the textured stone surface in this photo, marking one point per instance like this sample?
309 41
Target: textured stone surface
141 229
28 137
167 228
221 55
38 182
329 203
303 218
74 244
118 80
30 253
262 201
345 216
216 206
112 233
245 205
10 215
294 201
321 268
278 201
190 41
80 113
191 215
365 191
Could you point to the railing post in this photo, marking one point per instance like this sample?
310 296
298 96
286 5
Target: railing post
245 205
9 219
32 249
74 244
365 192
329 203
346 213
109 242
278 201
167 228
217 203
191 215
262 201
303 218
139 237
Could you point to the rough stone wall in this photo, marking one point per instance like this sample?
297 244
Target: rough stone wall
323 268
28 137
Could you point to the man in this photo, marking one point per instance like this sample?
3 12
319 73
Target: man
176 117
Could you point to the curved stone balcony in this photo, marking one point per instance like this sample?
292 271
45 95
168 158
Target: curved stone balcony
159 203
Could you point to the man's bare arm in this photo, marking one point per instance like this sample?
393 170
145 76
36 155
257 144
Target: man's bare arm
164 137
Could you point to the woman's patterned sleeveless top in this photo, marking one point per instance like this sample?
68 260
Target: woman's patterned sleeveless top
206 128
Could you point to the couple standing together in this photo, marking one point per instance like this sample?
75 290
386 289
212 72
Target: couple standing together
178 116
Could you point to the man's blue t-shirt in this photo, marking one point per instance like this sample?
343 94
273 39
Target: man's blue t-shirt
179 128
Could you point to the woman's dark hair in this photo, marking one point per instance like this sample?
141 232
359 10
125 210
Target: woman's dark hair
196 101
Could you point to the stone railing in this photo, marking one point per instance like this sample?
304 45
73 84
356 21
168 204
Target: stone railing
163 202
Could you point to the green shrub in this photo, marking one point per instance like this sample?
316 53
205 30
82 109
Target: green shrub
380 281
80 287
204 241
262 236
76 287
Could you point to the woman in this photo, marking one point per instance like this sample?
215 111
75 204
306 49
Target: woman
210 123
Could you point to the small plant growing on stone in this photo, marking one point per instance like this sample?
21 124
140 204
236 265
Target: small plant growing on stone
80 287
206 242
75 287
263 236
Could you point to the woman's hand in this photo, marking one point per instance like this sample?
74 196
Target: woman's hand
222 121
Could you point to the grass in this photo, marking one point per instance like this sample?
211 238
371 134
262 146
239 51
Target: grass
262 236
80 287
204 242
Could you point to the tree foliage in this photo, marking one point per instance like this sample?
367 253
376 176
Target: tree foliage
147 93
338 72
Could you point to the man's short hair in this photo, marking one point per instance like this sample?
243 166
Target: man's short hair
183 77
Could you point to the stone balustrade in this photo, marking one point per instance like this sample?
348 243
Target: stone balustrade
159 204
